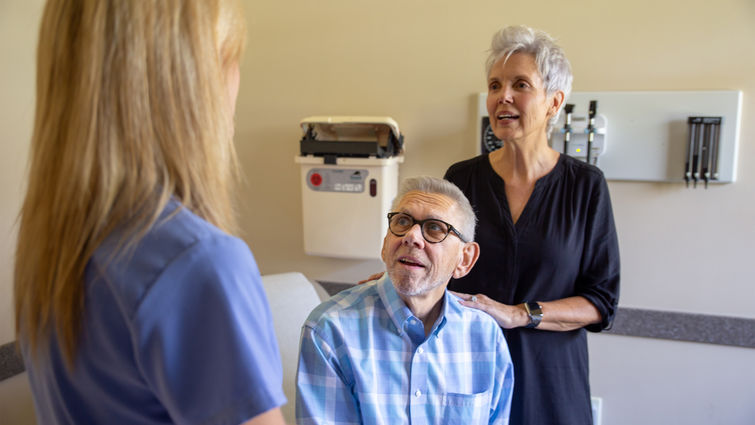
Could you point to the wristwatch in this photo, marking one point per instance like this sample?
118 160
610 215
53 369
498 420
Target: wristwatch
535 311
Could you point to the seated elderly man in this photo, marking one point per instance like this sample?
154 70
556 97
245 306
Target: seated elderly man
402 349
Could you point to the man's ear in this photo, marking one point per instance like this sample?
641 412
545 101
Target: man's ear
469 255
383 249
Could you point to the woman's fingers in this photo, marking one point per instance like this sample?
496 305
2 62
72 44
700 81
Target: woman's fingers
484 303
463 296
469 300
476 298
375 276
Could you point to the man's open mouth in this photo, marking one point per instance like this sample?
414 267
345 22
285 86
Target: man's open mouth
410 262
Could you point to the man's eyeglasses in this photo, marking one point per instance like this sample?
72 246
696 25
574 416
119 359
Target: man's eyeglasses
433 230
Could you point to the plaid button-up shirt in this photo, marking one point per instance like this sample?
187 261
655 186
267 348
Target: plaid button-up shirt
365 360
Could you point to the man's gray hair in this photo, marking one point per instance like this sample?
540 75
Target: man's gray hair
427 184
550 58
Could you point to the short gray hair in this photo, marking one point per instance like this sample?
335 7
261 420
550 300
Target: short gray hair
550 58
427 184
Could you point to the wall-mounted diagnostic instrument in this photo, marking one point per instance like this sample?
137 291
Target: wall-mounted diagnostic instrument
702 150
581 132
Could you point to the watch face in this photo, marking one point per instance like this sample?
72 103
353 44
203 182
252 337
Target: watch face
489 141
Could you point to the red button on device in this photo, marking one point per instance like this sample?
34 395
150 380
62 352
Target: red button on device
315 179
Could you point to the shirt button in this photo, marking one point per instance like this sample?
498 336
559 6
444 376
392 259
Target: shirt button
417 393
420 350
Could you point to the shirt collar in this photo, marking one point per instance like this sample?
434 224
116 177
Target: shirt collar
400 313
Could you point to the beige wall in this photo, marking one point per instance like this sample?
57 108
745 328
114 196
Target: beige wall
19 22
420 62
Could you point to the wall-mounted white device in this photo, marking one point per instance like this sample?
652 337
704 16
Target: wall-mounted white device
349 177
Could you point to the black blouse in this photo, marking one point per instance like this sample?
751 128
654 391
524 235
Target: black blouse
564 244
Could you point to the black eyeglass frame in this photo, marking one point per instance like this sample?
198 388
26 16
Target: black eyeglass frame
421 223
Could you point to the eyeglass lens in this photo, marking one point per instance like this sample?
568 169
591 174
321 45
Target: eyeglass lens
432 230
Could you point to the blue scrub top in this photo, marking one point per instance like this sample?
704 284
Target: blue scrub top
176 330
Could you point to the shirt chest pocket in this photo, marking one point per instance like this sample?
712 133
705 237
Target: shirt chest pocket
465 408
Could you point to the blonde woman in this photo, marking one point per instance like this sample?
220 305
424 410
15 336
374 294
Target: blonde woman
133 303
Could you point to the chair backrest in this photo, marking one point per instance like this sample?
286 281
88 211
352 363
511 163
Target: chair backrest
292 297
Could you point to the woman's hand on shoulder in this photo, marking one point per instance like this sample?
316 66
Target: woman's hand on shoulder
375 276
507 316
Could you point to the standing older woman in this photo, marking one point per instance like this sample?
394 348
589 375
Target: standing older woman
549 259
133 304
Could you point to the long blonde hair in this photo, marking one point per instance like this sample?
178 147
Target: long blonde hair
132 110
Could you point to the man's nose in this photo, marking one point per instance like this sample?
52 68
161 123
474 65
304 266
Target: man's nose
414 236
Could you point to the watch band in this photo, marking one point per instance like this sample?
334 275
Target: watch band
535 311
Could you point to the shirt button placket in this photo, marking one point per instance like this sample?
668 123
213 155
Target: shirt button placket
420 350
418 384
